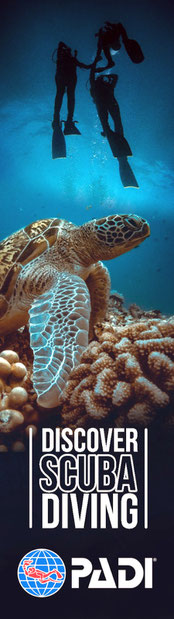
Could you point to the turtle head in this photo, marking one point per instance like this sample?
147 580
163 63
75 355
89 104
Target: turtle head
115 235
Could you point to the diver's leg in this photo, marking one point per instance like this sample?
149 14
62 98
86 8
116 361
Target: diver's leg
70 127
58 101
98 283
114 111
103 115
118 143
71 100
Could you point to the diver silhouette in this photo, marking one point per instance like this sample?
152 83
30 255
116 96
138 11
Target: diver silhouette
109 38
40 575
66 79
102 92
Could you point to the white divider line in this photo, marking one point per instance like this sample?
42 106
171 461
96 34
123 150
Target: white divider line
30 478
146 518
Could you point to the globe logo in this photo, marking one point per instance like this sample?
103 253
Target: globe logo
41 572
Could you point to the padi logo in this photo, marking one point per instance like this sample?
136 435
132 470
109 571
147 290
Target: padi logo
41 572
130 573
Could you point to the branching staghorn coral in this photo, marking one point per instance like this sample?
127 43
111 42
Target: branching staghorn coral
126 375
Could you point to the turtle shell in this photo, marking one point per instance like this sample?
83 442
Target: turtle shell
21 248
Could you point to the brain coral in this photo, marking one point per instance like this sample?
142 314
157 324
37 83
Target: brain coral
126 375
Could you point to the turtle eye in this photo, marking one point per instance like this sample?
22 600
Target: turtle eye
118 229
136 225
133 222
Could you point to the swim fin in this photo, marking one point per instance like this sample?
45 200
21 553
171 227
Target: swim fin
127 176
134 50
70 128
118 144
58 143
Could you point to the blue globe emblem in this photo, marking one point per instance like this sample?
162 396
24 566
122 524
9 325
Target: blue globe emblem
41 572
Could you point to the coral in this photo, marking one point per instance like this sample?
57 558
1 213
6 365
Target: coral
121 394
17 396
12 375
10 419
126 376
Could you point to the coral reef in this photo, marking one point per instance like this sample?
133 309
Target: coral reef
17 397
126 376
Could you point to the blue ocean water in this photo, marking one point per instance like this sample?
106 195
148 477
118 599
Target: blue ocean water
86 184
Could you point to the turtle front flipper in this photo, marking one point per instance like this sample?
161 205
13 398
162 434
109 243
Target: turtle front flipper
98 283
59 324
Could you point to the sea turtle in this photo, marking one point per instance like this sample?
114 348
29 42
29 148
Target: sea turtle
51 275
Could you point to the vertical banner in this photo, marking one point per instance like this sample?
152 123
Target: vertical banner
86 322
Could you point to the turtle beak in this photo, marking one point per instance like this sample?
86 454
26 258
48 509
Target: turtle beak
146 230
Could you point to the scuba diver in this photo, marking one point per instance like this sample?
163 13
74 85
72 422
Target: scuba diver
109 38
102 92
66 79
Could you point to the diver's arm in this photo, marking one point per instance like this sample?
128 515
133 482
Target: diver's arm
98 34
82 65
